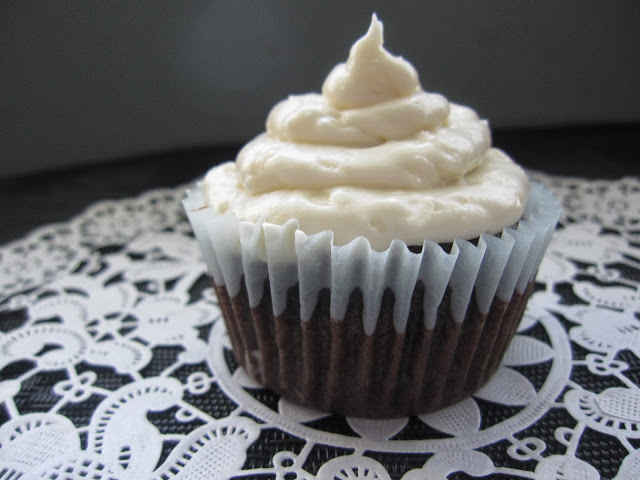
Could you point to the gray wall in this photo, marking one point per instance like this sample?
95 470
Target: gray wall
91 81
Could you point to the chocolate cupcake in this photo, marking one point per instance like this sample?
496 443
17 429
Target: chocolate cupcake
371 252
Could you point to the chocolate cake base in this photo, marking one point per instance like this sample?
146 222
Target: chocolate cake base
334 366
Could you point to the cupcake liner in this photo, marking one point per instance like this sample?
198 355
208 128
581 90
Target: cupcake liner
361 332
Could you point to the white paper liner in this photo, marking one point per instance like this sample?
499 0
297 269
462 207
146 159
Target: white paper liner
496 267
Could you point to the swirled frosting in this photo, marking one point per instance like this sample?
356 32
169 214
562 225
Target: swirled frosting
373 155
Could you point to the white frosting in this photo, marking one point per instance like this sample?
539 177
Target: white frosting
373 156
371 75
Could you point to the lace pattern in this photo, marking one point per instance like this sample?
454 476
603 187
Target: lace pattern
114 363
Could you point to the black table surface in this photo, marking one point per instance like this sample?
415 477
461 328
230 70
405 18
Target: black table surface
606 152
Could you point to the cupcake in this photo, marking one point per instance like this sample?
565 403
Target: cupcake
371 252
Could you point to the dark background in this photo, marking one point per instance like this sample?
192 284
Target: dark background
108 99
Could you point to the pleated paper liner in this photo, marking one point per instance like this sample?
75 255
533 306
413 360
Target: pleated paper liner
351 330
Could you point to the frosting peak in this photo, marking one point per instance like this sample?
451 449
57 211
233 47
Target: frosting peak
371 75
371 99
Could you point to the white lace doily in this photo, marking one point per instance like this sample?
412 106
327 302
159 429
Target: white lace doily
114 363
